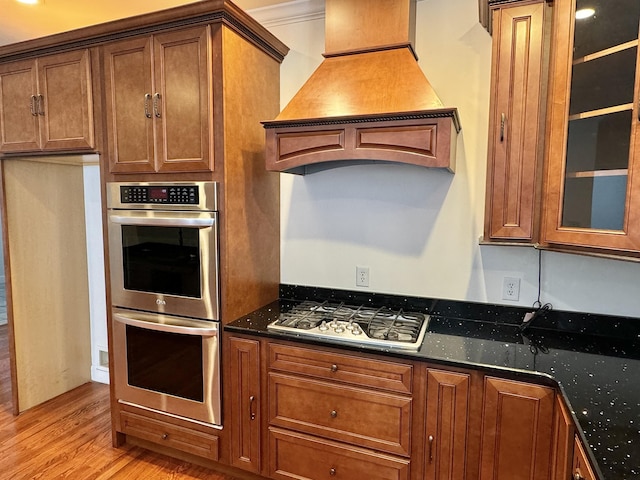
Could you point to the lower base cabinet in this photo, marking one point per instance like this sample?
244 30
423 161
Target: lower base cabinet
304 457
517 430
447 423
432 422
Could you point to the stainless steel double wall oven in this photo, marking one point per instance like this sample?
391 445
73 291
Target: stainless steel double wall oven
163 247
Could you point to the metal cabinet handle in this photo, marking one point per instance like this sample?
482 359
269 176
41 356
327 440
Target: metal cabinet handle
165 436
334 368
252 414
503 119
334 414
332 472
156 99
577 476
147 97
40 103
32 105
431 448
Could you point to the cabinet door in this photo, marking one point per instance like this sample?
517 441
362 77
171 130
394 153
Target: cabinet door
563 442
18 107
517 428
516 128
244 380
592 189
66 103
182 100
581 468
128 92
446 431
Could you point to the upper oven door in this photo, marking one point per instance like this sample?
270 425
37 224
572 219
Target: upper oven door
165 262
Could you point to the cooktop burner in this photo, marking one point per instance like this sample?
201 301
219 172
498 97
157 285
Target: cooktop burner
382 326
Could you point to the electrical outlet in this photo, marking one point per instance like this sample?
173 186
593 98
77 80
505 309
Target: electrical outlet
511 288
362 276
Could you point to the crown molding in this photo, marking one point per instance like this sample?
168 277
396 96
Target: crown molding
289 12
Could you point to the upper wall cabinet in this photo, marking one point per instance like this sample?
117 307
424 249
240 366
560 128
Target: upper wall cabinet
516 122
158 102
592 195
46 104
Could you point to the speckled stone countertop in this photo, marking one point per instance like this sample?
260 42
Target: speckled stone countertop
593 359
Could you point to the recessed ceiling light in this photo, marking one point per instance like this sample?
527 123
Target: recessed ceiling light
584 13
30 2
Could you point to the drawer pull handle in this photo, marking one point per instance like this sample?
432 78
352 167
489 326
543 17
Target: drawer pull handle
165 436
332 472
334 368
503 119
252 414
334 414
431 448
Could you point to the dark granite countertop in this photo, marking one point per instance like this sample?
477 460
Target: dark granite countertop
593 359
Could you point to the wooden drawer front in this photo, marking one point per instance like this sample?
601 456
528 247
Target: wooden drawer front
294 455
379 374
362 417
172 436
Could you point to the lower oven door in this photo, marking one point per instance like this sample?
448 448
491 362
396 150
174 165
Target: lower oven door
169 364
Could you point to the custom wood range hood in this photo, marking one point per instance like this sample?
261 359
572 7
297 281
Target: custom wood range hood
368 101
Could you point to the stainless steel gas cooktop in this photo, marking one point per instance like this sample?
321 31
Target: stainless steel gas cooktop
383 327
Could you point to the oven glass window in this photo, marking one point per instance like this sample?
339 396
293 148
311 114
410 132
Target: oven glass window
165 362
162 260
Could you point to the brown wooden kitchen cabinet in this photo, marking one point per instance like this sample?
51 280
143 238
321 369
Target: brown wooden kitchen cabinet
516 120
46 103
338 416
593 152
447 421
159 102
563 441
517 427
244 405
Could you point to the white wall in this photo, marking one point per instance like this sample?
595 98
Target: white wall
418 229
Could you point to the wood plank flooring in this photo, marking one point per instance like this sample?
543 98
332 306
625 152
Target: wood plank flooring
69 437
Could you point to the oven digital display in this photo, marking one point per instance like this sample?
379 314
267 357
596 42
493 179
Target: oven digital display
158 193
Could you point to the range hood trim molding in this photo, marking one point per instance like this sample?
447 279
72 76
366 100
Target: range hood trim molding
399 116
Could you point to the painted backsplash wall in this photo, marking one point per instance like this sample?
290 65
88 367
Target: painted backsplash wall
417 229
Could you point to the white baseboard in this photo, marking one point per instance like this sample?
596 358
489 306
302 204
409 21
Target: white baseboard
100 374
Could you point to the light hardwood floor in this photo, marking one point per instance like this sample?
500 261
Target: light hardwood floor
69 437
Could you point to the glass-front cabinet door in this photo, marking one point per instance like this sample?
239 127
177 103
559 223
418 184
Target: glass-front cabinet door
592 187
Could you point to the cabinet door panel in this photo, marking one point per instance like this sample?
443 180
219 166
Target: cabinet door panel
128 90
592 196
244 378
18 118
66 113
447 417
516 431
182 100
516 130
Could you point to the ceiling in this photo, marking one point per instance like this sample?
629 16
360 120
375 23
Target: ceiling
20 22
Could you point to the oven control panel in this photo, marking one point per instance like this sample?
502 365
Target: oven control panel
160 194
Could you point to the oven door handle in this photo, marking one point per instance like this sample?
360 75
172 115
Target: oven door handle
163 221
163 323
